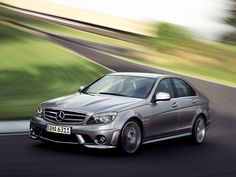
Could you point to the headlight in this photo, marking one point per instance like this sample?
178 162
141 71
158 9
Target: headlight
39 111
102 118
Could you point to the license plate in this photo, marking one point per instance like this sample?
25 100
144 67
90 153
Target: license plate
58 129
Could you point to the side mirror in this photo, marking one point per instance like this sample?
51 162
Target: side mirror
81 88
162 96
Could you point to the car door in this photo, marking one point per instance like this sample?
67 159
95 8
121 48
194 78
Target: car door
188 104
165 114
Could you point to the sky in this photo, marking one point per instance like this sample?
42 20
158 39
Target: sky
202 16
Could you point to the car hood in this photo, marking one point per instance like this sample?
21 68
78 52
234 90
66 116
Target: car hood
94 103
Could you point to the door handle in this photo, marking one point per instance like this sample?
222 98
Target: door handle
194 100
174 105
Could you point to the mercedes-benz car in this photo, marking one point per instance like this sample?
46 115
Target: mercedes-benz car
124 110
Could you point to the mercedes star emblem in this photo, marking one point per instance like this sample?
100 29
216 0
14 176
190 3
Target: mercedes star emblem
60 116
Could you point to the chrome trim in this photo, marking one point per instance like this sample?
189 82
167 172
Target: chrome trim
75 120
69 116
76 115
52 112
167 138
32 136
62 142
50 116
80 139
100 146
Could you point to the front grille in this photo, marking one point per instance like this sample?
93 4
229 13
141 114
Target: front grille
69 117
59 137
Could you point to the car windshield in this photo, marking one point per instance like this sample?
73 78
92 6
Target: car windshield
129 86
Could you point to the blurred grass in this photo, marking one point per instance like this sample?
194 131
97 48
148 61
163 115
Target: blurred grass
33 70
175 49
184 66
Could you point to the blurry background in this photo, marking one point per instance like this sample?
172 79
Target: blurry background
192 37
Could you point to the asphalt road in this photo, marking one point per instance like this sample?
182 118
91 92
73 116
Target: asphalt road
21 156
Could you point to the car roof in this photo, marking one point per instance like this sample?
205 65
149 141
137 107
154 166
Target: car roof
138 74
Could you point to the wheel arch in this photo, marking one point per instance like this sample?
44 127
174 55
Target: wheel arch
199 115
140 123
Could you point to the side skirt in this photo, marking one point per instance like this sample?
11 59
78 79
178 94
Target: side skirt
167 138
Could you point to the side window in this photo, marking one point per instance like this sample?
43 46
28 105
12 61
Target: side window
183 89
165 86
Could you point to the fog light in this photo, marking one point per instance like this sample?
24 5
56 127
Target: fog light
101 139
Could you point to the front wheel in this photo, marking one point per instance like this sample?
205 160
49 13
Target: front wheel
131 137
199 130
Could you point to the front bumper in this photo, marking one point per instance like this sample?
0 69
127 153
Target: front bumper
86 135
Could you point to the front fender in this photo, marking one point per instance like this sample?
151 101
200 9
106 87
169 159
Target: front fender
125 116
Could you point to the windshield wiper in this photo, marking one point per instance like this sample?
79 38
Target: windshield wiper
116 94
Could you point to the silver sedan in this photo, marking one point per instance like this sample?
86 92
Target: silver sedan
124 110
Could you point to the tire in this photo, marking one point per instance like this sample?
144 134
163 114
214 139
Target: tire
199 131
131 137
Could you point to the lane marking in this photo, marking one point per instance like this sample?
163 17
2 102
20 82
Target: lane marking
14 134
83 57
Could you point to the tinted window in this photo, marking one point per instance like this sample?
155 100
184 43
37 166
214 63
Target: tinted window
165 86
183 89
130 86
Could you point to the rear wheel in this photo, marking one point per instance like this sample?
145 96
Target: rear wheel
131 137
199 130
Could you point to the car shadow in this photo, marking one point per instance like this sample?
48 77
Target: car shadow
153 148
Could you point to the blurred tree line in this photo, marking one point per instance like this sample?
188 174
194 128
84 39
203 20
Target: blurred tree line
169 36
230 37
